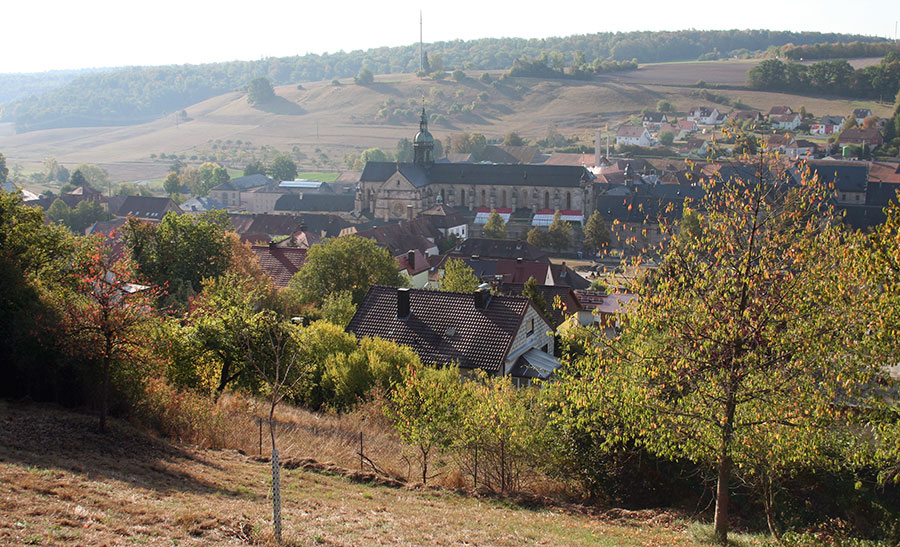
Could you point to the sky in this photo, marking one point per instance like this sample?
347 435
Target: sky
41 35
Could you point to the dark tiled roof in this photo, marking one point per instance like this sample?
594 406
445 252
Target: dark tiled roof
149 208
106 226
654 117
397 238
499 248
444 327
479 173
846 177
567 277
315 202
245 183
280 263
508 154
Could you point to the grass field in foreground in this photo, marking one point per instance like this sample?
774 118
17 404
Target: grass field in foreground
61 483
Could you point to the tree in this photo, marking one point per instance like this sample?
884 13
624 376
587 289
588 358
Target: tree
339 308
558 233
210 175
260 91
459 75
77 179
870 122
364 77
172 183
254 167
348 263
180 251
103 313
596 234
96 176
513 139
537 237
458 277
4 170
405 150
666 138
427 409
283 168
741 342
59 212
495 228
534 294
664 106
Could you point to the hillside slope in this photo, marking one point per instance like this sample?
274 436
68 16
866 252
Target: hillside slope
324 122
62 483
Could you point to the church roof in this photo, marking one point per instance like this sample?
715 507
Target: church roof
479 174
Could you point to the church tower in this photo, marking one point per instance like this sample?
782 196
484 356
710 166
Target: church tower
423 145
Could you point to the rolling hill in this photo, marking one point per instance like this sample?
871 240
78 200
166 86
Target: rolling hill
322 122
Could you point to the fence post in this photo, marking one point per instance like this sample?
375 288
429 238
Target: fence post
258 419
360 451
276 496
475 482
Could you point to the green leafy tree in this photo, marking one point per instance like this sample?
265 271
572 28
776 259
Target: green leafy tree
538 237
4 170
666 138
180 251
260 91
77 179
742 341
254 167
495 228
96 176
427 410
347 263
339 308
558 234
405 150
283 168
172 183
210 175
533 292
59 212
513 139
664 106
596 234
364 77
458 277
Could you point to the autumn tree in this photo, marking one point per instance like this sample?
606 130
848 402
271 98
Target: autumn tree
741 341
495 228
458 277
103 313
348 263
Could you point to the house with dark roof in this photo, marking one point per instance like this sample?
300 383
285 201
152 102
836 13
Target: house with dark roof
512 249
860 114
849 179
653 120
827 125
147 208
566 296
313 203
201 205
703 114
501 335
279 263
229 192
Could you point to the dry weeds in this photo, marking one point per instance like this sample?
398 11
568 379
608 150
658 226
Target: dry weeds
61 483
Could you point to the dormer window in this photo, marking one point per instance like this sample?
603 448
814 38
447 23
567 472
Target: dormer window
530 326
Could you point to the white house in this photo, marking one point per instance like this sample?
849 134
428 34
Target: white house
788 122
704 115
828 125
633 134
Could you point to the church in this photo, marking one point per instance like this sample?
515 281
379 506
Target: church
395 191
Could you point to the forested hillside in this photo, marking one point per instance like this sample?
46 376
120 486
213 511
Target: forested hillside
135 95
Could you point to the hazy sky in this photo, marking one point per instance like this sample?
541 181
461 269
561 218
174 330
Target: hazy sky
38 35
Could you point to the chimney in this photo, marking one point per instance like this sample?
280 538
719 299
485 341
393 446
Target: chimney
411 259
402 303
519 260
481 298
409 212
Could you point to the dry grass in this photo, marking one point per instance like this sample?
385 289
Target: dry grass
61 483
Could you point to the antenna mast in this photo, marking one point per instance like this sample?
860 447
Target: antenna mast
421 46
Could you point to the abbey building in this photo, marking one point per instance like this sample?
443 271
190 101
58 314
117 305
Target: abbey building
390 190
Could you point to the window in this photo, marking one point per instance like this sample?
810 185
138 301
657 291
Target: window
569 200
483 198
504 198
530 326
546 200
462 197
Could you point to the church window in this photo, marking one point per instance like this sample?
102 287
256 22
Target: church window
462 197
504 199
483 198
546 200
569 200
